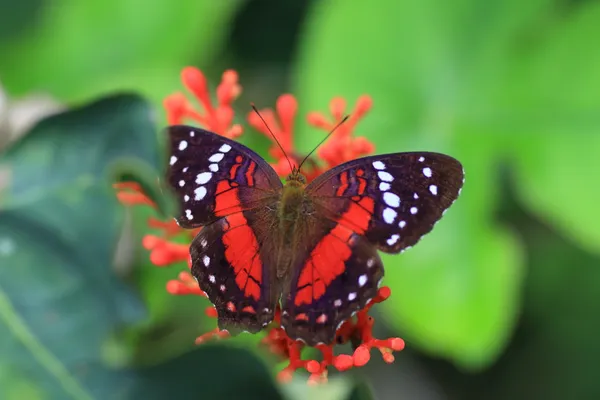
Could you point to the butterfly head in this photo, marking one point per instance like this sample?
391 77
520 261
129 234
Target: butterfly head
295 178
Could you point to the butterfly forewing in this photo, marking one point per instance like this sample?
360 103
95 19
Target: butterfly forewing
204 166
339 277
228 190
409 194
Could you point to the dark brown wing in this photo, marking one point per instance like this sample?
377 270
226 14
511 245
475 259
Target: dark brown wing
230 191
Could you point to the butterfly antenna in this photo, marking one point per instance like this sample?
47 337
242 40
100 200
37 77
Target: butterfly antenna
274 137
324 139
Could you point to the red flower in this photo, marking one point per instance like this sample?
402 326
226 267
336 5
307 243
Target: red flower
341 147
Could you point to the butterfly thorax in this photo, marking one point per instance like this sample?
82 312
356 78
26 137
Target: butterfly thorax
293 208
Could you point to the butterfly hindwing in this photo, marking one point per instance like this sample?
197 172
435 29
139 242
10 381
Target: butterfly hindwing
229 267
205 168
340 276
409 194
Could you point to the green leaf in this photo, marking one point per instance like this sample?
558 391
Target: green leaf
361 391
60 220
82 49
556 145
211 372
337 388
430 71
60 300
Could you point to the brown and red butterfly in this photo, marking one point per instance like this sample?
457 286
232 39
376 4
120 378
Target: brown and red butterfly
309 248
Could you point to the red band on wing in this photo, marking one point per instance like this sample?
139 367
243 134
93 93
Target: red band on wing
344 184
234 167
226 199
328 258
362 182
250 173
241 246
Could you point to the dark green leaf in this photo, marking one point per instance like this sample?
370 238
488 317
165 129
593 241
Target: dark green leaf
211 372
60 301
361 391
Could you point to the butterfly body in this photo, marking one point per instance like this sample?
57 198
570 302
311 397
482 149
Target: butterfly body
308 248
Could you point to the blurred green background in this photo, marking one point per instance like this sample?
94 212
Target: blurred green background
501 300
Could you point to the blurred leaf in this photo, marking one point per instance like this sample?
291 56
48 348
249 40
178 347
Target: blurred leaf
60 220
79 50
152 184
557 139
337 388
428 68
558 320
65 154
361 391
59 299
211 372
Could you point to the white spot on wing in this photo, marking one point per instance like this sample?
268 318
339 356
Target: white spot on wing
385 176
383 186
173 160
427 172
433 190
182 145
421 159
212 279
389 215
415 196
414 210
203 177
186 198
188 214
391 199
206 261
222 287
352 296
216 157
200 193
362 280
370 262
192 133
213 167
378 165
402 224
337 303
181 183
225 148
393 239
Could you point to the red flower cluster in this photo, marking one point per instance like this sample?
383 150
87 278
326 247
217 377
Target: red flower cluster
341 147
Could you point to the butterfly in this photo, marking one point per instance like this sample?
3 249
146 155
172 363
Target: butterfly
311 249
